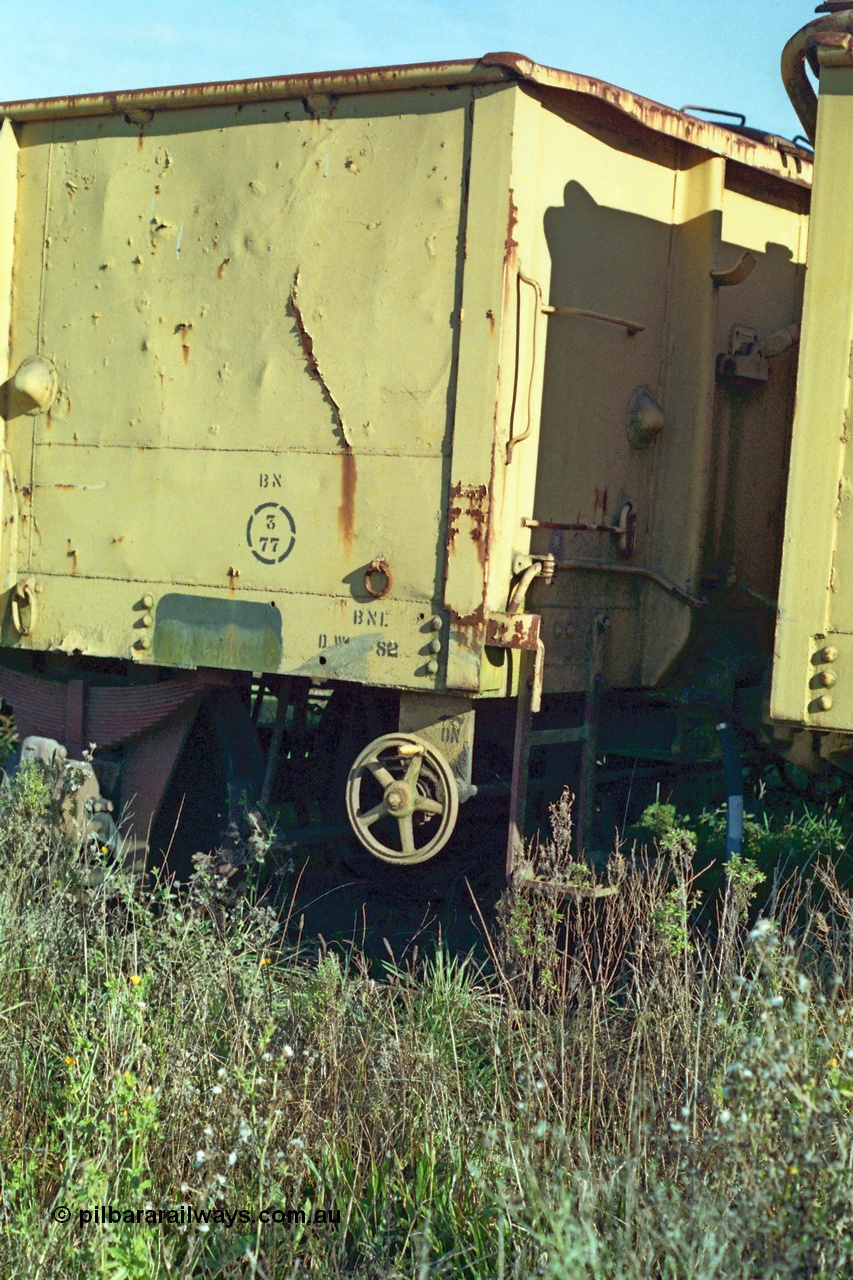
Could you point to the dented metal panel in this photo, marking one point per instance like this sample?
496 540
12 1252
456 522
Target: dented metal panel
247 365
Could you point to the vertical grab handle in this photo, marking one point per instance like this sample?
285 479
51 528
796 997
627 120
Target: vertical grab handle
517 439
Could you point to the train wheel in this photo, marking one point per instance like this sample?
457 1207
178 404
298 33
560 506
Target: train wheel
401 799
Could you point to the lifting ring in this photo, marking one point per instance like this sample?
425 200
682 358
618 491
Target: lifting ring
380 568
24 598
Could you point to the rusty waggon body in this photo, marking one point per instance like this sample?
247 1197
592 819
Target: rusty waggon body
444 389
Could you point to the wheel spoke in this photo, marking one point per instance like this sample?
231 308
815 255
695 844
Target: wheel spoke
380 773
424 804
414 771
407 835
370 816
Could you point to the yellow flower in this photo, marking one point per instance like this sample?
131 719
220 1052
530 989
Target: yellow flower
266 960
135 979
793 1169
69 1061
833 1062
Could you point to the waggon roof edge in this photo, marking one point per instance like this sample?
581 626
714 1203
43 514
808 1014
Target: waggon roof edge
770 156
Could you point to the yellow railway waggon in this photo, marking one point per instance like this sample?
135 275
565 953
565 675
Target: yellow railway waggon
442 417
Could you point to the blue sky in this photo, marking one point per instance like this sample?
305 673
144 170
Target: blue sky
722 53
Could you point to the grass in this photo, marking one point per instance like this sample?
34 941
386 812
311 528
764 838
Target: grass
625 1091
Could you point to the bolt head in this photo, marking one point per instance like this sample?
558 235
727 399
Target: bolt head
824 702
394 801
829 654
432 668
435 623
827 679
435 646
144 642
148 602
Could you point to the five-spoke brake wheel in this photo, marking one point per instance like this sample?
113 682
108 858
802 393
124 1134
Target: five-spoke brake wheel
402 800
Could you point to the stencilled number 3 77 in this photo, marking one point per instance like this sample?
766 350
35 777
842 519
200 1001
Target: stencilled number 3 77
271 533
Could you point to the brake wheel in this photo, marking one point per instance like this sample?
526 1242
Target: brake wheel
402 800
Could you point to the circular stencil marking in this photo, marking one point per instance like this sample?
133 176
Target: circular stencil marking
271 533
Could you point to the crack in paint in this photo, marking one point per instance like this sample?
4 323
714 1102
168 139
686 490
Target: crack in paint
311 360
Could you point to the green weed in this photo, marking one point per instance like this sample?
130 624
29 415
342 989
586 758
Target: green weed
621 1093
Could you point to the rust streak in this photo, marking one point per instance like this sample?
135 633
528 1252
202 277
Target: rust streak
510 254
469 630
475 619
511 244
223 264
471 503
307 343
184 331
346 511
513 631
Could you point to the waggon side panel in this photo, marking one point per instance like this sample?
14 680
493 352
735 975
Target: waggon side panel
634 225
614 217
682 469
663 215
606 230
248 309
816 587
752 424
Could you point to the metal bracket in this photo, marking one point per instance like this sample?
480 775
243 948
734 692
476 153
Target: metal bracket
726 277
745 360
624 531
529 702
631 325
521 632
